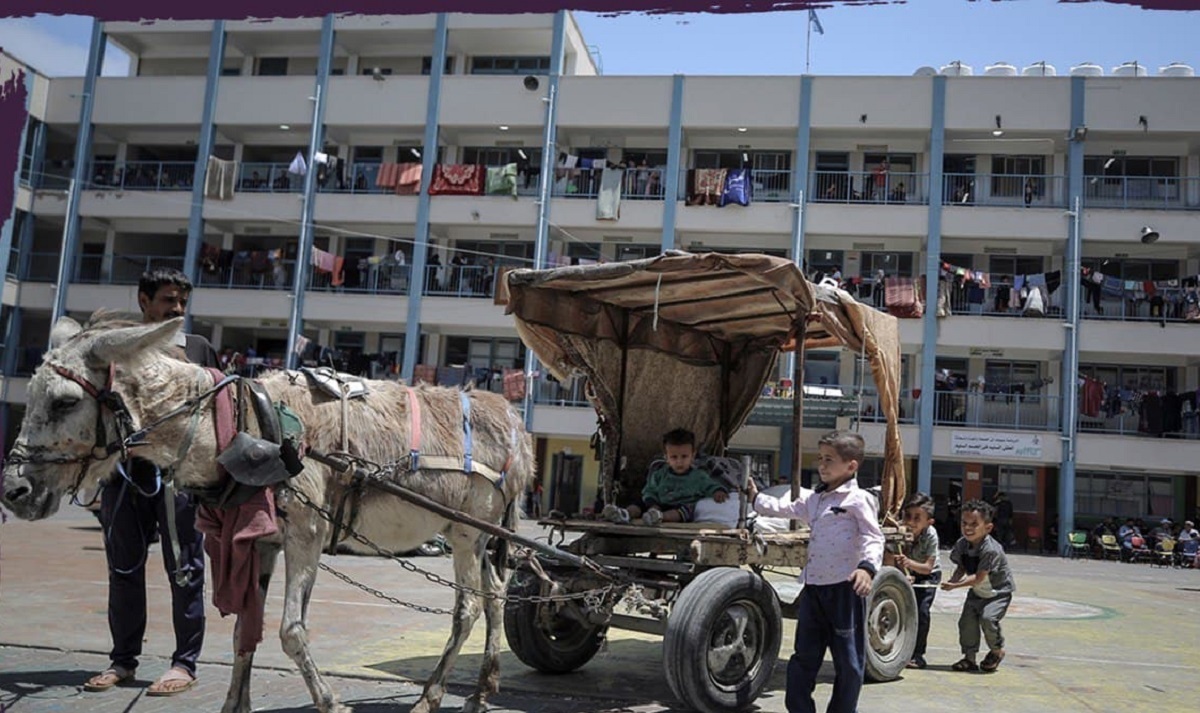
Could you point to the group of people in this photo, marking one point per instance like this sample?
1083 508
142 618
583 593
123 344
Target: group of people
846 550
1185 537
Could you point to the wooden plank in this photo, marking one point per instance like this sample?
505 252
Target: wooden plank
646 563
788 553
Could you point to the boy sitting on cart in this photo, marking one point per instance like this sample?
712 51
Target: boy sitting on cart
672 489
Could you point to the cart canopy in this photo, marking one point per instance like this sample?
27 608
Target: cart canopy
690 340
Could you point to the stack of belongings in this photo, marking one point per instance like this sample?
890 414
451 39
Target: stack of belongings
902 297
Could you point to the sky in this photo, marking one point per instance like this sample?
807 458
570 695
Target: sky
890 38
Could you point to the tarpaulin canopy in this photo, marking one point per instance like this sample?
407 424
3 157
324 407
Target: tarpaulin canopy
689 340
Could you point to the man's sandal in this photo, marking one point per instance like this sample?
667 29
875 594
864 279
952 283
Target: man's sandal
175 681
991 662
108 678
965 665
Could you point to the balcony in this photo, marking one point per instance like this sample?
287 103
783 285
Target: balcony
860 187
1141 192
637 184
143 175
268 178
1007 411
1004 190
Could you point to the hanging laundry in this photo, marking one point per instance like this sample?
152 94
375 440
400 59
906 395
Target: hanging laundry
1092 400
339 275
902 299
737 188
220 177
608 202
457 180
568 161
322 260
502 180
707 185
298 167
1053 280
388 175
409 181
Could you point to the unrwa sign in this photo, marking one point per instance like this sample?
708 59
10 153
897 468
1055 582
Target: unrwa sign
996 444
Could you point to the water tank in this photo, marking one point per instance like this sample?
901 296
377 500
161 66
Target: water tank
957 69
1087 69
1176 69
1129 69
925 72
1000 69
1039 69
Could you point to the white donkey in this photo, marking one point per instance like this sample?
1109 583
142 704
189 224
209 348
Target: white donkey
69 439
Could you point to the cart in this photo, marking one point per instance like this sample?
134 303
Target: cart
691 340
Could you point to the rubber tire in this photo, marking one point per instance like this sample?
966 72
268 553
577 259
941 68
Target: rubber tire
574 645
701 608
888 652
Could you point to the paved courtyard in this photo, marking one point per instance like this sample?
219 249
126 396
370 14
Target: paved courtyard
1083 636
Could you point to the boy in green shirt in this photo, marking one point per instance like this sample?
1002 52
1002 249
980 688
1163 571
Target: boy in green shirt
672 489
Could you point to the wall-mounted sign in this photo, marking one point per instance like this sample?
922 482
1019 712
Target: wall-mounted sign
996 444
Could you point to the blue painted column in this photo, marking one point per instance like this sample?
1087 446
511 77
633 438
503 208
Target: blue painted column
315 140
541 243
83 149
204 148
420 257
933 263
8 224
674 153
1071 280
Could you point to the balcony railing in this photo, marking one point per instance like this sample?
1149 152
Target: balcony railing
1012 411
1131 423
143 175
637 184
1146 192
996 189
269 178
999 300
246 275
1118 309
865 187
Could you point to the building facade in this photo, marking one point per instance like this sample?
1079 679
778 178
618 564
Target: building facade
389 246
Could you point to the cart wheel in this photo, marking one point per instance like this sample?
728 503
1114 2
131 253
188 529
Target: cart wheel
891 624
544 641
722 640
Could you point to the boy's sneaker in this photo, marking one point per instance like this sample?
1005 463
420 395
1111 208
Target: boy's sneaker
652 517
614 514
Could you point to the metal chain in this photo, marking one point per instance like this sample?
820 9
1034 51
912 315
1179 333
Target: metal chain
590 596
381 595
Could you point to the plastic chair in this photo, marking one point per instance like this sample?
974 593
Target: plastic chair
1109 546
1164 553
1077 544
1033 538
1185 554
1140 552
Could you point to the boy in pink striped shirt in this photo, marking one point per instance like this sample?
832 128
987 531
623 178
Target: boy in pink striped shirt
845 551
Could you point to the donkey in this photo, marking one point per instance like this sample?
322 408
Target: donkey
66 425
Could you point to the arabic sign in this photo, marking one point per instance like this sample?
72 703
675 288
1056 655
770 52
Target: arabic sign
995 444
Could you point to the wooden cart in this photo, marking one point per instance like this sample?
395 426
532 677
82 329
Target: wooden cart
691 340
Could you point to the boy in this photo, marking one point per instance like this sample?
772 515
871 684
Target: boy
672 489
991 583
923 565
844 552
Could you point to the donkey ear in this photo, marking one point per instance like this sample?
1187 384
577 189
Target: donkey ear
118 345
64 329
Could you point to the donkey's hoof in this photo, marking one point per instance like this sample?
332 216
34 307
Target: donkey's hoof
426 705
475 704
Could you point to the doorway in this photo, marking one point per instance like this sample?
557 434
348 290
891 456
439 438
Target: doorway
566 482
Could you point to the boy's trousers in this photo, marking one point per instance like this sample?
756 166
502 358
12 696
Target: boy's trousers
979 613
828 616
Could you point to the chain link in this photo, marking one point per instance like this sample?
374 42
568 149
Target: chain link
593 598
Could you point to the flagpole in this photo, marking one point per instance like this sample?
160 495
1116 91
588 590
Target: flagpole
808 41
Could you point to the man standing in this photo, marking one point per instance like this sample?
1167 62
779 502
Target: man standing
134 507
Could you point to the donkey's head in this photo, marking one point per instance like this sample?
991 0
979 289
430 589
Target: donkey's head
79 409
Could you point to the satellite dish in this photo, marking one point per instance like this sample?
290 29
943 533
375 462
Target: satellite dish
925 72
532 83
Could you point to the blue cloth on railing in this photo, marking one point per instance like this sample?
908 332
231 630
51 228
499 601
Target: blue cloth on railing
737 188
1112 287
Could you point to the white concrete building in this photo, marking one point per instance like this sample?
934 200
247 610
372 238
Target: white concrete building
981 172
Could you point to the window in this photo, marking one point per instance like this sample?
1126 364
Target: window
502 155
1139 270
383 71
865 380
762 464
833 179
892 264
625 253
824 260
272 66
427 65
584 251
651 157
1010 173
1020 486
510 65
1001 374
1143 378
1123 495
822 368
1141 166
231 71
756 160
484 353
1004 267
